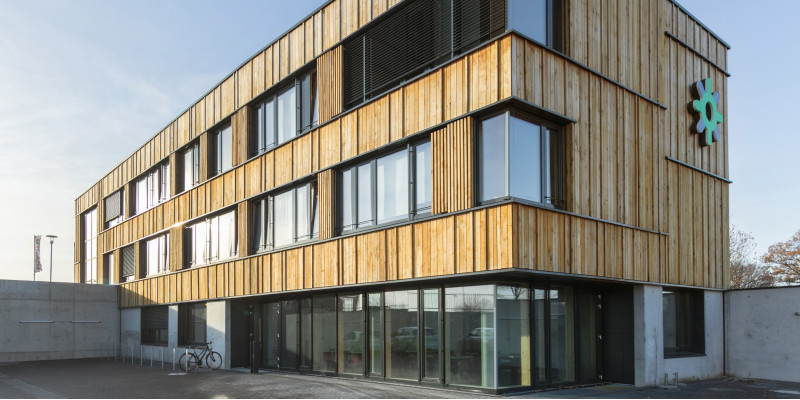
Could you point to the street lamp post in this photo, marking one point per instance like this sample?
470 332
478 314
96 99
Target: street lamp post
52 237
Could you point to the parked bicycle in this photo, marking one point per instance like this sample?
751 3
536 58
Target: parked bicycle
197 355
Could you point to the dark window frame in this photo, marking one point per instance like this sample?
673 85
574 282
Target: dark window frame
264 217
352 168
158 333
114 221
161 191
192 148
188 333
553 193
305 84
215 153
189 239
689 325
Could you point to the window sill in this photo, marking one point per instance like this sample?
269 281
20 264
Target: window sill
685 354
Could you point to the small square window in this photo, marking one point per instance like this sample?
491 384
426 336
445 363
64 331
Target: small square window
684 323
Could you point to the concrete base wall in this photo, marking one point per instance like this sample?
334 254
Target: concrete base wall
710 365
651 366
762 327
48 321
218 322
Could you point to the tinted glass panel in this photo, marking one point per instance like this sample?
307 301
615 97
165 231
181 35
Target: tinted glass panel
283 219
562 330
305 333
469 323
351 328
290 334
392 190
364 195
539 334
287 115
226 149
493 157
526 162
303 223
513 336
324 343
587 335
347 200
430 346
423 181
402 335
375 333
529 17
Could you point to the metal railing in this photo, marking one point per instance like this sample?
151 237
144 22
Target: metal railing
146 355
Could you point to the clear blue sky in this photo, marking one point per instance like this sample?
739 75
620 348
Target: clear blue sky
84 83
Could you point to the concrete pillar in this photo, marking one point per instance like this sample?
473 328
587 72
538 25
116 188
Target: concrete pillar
172 326
130 326
648 335
218 329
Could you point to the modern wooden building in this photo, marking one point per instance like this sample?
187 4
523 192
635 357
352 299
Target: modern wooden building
491 194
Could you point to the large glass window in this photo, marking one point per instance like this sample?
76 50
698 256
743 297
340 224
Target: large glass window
562 334
272 335
152 188
431 327
154 325
515 159
211 239
684 332
157 255
221 152
192 324
287 217
90 246
285 115
402 334
351 333
375 334
190 159
513 336
469 348
290 334
539 20
387 189
305 333
324 341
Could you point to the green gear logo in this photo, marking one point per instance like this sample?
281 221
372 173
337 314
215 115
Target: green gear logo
706 107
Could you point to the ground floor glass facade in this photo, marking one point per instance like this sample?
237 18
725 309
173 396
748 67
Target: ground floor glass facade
494 336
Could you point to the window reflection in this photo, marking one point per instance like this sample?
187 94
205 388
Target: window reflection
402 336
430 345
469 323
324 342
375 327
351 334
513 336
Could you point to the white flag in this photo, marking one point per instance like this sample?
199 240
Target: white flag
37 262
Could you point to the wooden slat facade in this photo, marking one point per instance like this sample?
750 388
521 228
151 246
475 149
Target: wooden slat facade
632 213
453 154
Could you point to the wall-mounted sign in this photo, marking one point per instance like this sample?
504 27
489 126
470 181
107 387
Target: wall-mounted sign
707 108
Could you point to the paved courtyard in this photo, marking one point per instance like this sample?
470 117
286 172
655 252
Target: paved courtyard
94 378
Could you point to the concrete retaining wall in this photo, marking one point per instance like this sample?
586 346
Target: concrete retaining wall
48 321
762 333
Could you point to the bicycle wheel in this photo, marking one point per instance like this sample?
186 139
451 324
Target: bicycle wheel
214 360
189 363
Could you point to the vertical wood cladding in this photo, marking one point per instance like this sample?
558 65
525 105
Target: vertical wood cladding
615 163
499 237
326 184
329 75
453 166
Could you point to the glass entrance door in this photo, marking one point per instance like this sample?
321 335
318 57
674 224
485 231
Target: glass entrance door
271 335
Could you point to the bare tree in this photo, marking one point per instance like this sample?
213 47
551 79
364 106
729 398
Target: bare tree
784 259
746 271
